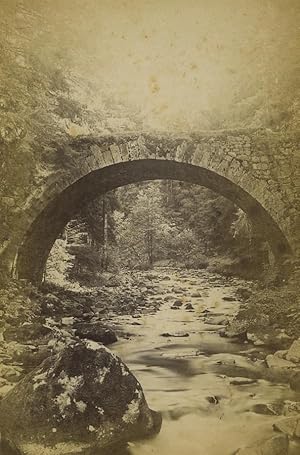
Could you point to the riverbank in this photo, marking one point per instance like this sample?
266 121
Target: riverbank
36 323
180 333
271 312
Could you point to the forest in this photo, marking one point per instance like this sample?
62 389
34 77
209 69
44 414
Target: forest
159 223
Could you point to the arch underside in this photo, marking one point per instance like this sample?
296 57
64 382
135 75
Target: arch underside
39 239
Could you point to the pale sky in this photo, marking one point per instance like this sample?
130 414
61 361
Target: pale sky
176 61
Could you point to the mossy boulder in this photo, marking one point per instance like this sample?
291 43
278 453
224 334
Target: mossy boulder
84 398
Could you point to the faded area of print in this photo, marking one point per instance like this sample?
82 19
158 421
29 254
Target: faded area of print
149 227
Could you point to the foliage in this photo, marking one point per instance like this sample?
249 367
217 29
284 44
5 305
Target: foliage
92 215
277 307
208 215
59 263
32 126
165 221
271 307
86 264
19 303
168 221
178 222
43 104
140 232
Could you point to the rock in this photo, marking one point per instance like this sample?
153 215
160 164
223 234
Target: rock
26 332
217 320
277 445
177 290
29 356
196 294
239 334
189 306
276 362
255 354
95 331
213 399
177 303
176 335
228 361
87 316
288 425
272 337
282 339
100 311
291 408
32 359
11 373
295 382
68 320
264 409
229 299
242 381
85 395
3 382
281 354
293 353
259 342
255 340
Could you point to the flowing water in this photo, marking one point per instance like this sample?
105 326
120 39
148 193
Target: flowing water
191 374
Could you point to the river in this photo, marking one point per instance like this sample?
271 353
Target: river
194 377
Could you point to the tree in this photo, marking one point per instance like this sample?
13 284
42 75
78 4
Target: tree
140 228
208 215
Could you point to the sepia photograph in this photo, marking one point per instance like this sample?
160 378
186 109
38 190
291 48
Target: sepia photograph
149 227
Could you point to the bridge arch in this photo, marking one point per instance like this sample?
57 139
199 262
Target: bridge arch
61 204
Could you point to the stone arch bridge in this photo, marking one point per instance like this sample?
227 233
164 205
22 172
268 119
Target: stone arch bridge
254 169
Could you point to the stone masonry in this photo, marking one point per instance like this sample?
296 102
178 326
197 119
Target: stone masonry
257 169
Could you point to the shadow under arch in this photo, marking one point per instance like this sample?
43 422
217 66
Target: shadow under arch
39 239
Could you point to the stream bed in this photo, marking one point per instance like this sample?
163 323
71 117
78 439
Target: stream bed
213 398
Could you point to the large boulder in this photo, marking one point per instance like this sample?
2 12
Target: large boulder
274 361
82 398
293 353
289 426
95 331
277 445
